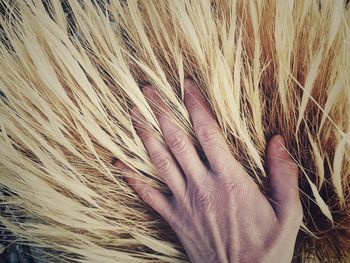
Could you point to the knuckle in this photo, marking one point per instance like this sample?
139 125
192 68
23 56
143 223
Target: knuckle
204 200
176 141
236 189
231 186
204 197
191 103
220 167
206 133
162 162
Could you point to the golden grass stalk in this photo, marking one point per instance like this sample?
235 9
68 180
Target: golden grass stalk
71 70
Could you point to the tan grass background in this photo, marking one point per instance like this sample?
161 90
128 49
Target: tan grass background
71 71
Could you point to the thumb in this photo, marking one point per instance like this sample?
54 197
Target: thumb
283 172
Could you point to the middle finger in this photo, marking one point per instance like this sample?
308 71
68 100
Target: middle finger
160 157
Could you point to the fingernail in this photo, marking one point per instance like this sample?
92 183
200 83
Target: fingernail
129 180
281 142
124 178
143 84
135 113
149 92
114 160
120 165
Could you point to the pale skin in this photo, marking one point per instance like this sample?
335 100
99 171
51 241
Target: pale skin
217 210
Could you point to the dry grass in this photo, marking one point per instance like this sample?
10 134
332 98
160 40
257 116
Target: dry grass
70 76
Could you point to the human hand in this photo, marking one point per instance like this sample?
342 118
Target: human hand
217 210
